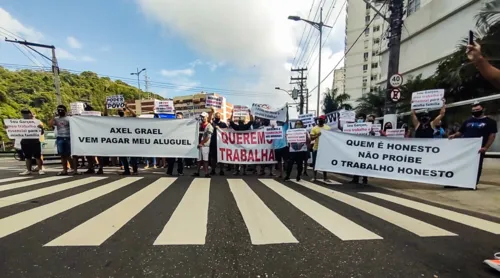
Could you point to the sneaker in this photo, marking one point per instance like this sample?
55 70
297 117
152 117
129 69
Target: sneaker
25 173
41 172
495 264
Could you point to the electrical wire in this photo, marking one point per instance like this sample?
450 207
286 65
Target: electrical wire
309 36
303 32
347 52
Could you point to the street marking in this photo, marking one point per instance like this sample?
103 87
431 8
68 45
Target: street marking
30 182
22 220
98 229
338 225
13 179
262 224
461 218
330 182
188 223
410 224
23 197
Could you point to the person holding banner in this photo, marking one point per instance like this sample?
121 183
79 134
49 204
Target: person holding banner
217 124
125 160
315 134
281 148
240 127
63 141
32 148
298 152
424 127
204 145
171 160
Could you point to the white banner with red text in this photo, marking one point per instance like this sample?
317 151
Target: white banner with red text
133 137
244 147
434 161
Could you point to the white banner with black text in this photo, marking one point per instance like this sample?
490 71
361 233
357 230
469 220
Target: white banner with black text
133 137
433 161
244 147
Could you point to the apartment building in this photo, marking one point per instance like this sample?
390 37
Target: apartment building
433 29
362 64
339 80
194 105
142 106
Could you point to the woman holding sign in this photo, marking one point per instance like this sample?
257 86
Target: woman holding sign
424 127
298 141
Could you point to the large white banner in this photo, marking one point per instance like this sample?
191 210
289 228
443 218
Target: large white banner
265 111
244 147
133 137
434 161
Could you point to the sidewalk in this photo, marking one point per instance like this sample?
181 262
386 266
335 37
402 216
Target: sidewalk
485 200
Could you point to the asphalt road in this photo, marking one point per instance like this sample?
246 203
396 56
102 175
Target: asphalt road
155 226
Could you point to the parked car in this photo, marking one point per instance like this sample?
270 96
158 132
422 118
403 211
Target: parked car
49 147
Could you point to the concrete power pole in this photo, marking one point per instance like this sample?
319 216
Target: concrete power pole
146 83
396 24
301 82
53 60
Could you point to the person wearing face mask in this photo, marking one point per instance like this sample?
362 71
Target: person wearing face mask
478 126
386 127
315 134
239 127
424 127
217 123
297 153
32 148
204 145
63 141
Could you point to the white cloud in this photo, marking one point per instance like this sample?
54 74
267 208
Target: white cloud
175 73
9 23
63 54
87 59
73 42
253 36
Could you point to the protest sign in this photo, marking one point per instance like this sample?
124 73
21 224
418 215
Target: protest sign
358 128
273 132
265 111
91 113
240 111
376 129
428 99
244 147
133 137
297 135
213 101
434 161
398 133
332 120
115 102
76 108
307 120
347 116
22 129
164 106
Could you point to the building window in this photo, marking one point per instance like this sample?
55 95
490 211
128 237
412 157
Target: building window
365 56
376 40
413 6
363 91
374 65
374 53
367 31
367 6
374 77
365 68
367 19
366 43
376 28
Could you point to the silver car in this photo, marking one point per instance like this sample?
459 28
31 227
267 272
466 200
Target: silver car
49 147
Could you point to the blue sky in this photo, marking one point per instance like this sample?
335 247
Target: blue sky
241 49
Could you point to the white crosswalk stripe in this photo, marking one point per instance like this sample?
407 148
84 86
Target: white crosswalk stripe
188 223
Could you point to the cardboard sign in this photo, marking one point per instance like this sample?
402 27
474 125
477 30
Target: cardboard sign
273 132
398 133
115 102
76 108
164 106
428 99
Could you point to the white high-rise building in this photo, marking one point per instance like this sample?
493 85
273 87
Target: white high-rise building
339 80
362 63
433 29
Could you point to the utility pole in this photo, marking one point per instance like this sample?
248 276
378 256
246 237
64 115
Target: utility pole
138 73
146 84
53 60
301 82
395 24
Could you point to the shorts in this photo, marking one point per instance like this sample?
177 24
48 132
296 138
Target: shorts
204 154
31 149
63 146
281 154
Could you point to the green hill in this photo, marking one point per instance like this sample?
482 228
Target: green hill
35 89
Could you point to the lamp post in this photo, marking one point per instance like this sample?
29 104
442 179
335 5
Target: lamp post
138 73
319 26
294 96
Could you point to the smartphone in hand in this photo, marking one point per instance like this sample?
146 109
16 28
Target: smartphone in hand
471 37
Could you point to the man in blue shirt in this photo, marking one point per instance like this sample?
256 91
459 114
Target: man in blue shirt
280 147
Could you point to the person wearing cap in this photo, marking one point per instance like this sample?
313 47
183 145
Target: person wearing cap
424 127
315 134
32 148
204 145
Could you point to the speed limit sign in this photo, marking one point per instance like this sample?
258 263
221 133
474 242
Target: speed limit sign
396 80
395 95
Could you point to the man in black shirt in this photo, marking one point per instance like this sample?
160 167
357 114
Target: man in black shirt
240 127
478 126
32 147
217 124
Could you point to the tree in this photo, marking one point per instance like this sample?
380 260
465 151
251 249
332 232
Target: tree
372 103
333 102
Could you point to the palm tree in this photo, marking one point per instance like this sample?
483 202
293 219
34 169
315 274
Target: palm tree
333 102
489 15
372 103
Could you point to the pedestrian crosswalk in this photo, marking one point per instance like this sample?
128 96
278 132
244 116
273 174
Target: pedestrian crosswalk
190 217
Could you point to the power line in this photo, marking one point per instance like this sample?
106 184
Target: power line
309 36
303 32
347 52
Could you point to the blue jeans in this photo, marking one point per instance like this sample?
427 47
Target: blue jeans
63 146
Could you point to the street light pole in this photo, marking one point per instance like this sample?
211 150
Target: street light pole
319 26
138 73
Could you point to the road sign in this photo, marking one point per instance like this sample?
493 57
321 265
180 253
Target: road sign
395 95
396 80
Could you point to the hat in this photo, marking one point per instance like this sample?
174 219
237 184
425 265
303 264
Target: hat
204 114
322 117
